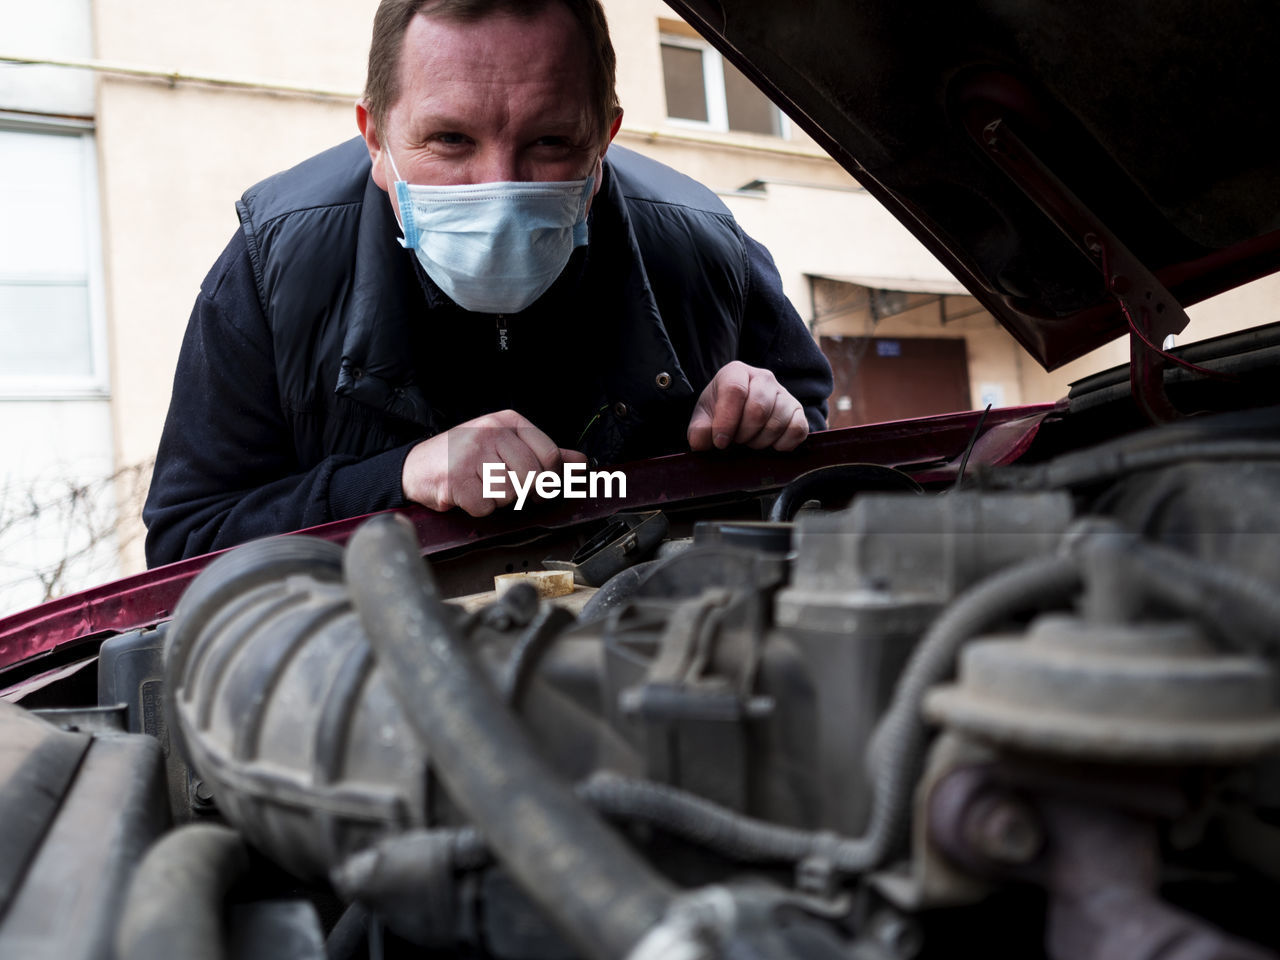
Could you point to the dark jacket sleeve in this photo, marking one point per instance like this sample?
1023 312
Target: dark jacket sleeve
226 470
774 336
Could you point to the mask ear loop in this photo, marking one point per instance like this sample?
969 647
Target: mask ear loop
407 224
580 224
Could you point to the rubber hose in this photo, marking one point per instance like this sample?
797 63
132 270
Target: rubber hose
682 814
897 746
707 824
1096 466
842 480
1242 609
174 907
616 591
596 889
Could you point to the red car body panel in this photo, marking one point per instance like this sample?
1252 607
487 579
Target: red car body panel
929 448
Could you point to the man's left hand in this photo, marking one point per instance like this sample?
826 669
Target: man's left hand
747 405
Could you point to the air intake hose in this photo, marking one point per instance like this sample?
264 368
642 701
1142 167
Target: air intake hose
315 741
601 894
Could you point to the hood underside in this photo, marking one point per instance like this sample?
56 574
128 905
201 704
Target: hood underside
1006 136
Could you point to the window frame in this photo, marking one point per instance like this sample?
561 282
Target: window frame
96 384
714 95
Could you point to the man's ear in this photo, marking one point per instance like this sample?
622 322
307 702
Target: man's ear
599 168
369 130
613 130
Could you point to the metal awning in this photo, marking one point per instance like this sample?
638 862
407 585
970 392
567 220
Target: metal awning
943 286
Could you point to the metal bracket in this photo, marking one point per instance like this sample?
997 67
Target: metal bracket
1152 311
627 539
694 721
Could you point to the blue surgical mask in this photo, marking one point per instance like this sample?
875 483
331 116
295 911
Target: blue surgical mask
493 247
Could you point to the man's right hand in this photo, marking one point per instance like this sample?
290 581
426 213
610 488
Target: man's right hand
445 471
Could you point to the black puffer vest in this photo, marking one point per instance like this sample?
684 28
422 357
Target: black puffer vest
369 355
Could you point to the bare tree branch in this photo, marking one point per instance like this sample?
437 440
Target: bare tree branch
59 534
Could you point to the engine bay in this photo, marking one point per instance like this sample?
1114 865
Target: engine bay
1030 714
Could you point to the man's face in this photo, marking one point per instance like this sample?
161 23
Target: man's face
498 99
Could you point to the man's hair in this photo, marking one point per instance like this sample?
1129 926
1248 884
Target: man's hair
382 86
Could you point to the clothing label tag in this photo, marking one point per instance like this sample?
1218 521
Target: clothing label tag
503 339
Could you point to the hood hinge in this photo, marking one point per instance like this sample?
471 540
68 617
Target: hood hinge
1152 312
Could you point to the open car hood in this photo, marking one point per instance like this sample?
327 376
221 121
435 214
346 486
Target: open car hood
1037 148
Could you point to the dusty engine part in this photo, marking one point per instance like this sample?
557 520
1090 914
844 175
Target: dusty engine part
890 550
277 704
179 905
1100 863
1148 692
86 807
1238 437
745 708
1094 735
176 899
762 536
283 710
131 672
866 585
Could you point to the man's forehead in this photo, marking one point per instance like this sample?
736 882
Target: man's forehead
543 47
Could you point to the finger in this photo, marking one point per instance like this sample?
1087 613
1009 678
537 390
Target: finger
762 401
542 447
467 493
796 431
732 386
499 446
477 506
517 455
509 421
443 465
699 432
464 450
775 426
572 456
472 493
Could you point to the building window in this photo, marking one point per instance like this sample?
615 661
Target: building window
704 90
51 321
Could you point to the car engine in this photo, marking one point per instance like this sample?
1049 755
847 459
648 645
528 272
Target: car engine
1034 714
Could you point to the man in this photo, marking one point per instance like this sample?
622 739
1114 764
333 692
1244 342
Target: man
472 281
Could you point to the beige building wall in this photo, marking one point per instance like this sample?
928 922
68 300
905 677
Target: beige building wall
175 157
837 231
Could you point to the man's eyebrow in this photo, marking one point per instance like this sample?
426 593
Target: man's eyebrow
434 123
573 124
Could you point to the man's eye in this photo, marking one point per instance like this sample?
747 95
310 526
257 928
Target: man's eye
551 142
451 139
